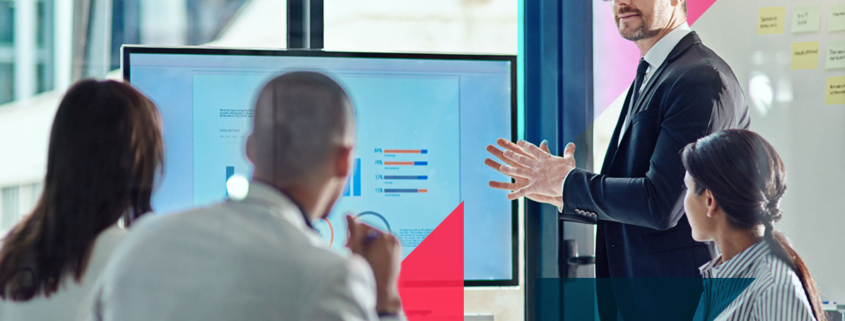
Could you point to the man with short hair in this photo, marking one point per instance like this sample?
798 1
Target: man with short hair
682 91
259 258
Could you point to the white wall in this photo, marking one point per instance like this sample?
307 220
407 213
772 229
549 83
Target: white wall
808 135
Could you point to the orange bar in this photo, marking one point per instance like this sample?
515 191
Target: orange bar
399 163
403 151
422 191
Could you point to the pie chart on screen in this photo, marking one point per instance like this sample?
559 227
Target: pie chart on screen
326 231
375 220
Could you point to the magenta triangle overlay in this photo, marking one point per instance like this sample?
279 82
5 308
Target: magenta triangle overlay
616 58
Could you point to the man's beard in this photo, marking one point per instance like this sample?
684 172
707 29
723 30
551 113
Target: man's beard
641 32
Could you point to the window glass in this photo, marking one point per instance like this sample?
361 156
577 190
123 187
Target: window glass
52 34
9 203
455 26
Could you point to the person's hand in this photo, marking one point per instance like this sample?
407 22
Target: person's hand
384 254
519 182
545 172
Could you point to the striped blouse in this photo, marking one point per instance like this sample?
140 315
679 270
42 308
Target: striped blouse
754 285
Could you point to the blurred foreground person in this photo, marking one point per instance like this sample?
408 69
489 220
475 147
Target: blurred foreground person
105 150
259 258
735 181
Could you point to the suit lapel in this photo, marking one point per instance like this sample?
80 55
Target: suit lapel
610 155
613 149
649 86
682 46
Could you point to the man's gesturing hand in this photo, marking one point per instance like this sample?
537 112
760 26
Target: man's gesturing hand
519 181
544 172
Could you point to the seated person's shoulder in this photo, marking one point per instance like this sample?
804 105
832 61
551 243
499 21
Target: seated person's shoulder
152 236
775 275
157 225
321 262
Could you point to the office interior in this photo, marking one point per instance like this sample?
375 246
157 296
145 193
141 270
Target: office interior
572 71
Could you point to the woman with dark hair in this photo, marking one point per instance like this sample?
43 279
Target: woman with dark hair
735 181
104 153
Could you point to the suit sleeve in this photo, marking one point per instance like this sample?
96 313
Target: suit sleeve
655 201
350 295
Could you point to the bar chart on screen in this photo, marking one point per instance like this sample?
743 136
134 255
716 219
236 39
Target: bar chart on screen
353 184
404 172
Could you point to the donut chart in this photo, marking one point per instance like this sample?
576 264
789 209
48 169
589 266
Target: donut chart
331 232
331 229
381 217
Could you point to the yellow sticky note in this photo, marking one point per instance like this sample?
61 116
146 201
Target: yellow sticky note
835 55
837 17
835 91
806 18
805 55
771 20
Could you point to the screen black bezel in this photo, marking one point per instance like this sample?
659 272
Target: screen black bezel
128 50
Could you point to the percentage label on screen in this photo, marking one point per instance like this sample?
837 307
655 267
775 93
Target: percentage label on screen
378 162
378 151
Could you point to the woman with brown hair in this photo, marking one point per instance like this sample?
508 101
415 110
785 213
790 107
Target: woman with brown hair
735 181
104 153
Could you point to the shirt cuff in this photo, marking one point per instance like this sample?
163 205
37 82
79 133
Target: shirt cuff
562 184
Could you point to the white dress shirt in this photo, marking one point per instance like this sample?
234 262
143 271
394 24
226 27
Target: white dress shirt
73 300
774 292
255 259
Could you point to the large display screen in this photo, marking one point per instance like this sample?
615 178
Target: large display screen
422 125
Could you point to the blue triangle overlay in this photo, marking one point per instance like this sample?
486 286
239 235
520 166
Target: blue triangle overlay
718 295
641 298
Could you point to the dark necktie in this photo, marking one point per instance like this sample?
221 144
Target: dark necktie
638 83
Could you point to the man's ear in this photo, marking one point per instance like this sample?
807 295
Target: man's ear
343 161
250 149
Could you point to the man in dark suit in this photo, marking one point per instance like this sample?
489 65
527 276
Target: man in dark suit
682 91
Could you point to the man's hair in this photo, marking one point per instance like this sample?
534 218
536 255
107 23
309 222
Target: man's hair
300 119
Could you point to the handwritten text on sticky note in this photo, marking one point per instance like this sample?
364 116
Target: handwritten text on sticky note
806 18
835 55
835 91
771 20
837 17
805 55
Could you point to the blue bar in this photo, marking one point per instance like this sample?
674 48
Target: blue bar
388 177
420 163
230 171
347 189
424 151
357 182
401 190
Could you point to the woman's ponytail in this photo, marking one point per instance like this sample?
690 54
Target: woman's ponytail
781 248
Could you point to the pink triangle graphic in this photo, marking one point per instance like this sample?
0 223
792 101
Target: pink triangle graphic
695 8
619 57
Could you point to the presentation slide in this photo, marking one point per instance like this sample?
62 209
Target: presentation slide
421 129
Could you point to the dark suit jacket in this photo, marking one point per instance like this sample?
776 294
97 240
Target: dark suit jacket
638 199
